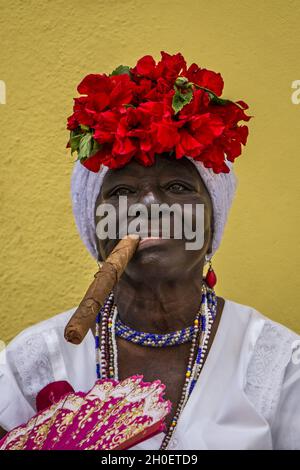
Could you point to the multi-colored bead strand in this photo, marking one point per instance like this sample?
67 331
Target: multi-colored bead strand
102 349
154 339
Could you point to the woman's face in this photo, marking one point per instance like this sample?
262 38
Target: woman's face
168 181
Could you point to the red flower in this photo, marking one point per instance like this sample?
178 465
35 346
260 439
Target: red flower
122 91
206 78
94 83
165 135
145 110
145 67
106 127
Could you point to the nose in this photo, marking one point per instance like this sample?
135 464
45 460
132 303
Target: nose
149 197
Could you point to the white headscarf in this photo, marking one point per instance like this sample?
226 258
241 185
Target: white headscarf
86 185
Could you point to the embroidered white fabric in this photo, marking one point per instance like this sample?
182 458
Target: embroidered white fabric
267 367
31 355
247 396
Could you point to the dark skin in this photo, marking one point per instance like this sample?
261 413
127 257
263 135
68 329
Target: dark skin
160 290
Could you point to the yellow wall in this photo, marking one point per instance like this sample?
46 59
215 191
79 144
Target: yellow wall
46 48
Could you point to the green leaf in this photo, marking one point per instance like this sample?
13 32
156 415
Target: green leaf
220 101
181 99
95 147
85 146
84 127
74 141
121 69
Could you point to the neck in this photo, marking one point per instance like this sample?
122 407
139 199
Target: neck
161 307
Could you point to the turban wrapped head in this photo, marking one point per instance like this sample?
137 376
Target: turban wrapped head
86 186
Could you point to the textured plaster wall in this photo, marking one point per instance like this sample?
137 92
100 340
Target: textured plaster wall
47 47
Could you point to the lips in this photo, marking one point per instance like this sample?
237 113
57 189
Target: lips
161 234
146 239
153 241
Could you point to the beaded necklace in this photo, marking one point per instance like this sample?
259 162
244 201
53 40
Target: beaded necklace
198 335
153 339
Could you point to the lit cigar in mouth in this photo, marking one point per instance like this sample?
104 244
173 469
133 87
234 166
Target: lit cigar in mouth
104 281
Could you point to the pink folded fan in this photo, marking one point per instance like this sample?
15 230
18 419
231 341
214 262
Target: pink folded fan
111 416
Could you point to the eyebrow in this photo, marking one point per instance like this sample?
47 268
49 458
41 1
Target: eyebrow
131 179
169 175
183 178
121 180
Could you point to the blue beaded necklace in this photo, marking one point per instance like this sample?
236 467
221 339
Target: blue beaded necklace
153 339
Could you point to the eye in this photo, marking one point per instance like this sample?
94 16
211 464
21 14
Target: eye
178 187
121 191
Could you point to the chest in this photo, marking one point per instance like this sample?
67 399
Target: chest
169 366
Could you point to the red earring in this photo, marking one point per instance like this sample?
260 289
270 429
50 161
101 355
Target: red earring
210 278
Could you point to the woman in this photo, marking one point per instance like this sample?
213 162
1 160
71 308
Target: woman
246 392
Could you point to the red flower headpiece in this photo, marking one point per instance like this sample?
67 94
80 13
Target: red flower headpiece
153 108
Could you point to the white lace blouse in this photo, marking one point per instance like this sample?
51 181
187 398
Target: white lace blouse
247 395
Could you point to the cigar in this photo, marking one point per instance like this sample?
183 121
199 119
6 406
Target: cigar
104 281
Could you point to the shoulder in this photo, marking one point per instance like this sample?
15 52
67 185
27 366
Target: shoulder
266 328
57 321
32 355
30 344
270 345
